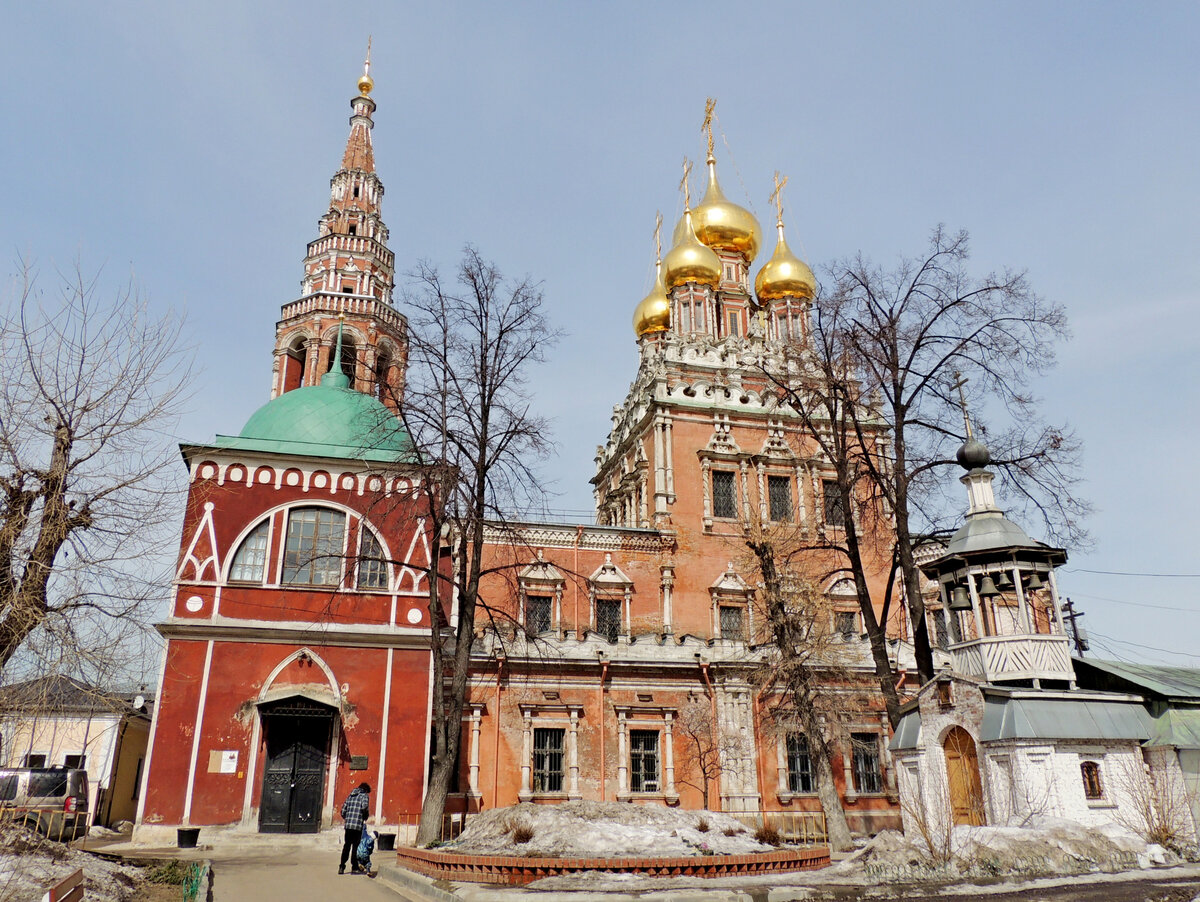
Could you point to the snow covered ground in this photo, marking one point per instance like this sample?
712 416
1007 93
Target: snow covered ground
30 864
603 830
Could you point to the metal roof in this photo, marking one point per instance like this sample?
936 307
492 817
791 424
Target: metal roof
1062 718
986 533
1177 727
325 421
1169 682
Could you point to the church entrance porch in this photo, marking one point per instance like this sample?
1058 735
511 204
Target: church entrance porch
298 733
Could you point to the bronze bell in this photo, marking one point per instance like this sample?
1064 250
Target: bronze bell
959 599
1005 581
987 588
1035 581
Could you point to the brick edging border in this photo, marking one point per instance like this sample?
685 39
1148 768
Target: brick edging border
519 870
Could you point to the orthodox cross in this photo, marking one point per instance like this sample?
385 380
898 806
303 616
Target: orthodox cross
658 235
776 197
683 184
710 105
959 381
367 64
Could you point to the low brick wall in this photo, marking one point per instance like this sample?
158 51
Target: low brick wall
517 871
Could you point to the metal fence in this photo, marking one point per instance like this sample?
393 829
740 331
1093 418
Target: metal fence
805 827
406 827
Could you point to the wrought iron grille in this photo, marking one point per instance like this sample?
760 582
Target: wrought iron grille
724 493
865 753
643 760
733 626
547 759
537 614
779 497
799 764
608 618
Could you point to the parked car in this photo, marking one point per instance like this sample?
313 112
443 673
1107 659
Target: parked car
53 801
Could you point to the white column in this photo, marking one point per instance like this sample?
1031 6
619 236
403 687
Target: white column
622 755
1057 607
669 753
762 494
668 582
527 757
573 756
1022 602
979 632
473 779
670 461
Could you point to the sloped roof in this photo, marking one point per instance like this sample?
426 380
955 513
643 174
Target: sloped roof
1168 682
1060 718
62 694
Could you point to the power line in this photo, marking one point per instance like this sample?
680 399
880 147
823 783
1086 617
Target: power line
1129 573
1166 651
1140 604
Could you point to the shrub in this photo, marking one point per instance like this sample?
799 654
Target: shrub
702 825
172 873
522 834
768 835
734 831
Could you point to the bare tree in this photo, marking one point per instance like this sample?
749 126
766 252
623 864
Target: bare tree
88 404
797 681
700 745
908 339
468 407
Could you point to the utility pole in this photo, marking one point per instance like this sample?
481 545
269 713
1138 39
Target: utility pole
1078 633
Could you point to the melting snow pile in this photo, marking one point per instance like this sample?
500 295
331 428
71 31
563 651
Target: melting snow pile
603 830
30 865
1046 846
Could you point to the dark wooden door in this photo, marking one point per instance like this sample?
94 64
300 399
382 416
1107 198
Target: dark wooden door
294 776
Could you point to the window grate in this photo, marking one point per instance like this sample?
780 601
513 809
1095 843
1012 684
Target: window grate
547 759
643 760
537 614
779 496
865 749
799 764
608 618
835 503
724 493
733 626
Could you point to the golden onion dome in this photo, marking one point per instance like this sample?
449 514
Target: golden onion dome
720 223
690 261
653 314
785 275
365 84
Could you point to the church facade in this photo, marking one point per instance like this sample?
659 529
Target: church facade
297 658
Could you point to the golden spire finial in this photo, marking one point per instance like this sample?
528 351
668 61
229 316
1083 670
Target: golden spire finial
658 236
776 197
710 106
365 82
684 186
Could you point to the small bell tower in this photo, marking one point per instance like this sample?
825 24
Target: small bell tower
349 277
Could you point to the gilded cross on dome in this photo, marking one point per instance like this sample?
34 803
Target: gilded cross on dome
365 81
776 197
683 184
959 381
658 235
710 106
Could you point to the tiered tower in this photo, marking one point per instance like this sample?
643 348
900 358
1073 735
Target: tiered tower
348 273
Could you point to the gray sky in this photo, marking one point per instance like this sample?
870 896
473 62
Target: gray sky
193 145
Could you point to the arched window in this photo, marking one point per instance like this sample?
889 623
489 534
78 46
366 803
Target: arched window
372 562
315 544
1093 788
383 366
251 556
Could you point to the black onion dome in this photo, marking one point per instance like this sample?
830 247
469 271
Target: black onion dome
973 454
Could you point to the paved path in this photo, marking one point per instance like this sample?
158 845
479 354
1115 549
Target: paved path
292 875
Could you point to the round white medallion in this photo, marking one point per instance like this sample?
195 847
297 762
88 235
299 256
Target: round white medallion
414 615
319 480
207 471
293 478
194 603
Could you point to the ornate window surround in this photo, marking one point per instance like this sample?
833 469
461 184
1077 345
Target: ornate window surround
611 583
562 716
542 579
635 717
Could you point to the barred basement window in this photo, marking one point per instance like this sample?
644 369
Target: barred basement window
724 494
547 760
313 554
643 760
865 756
835 504
1093 789
372 564
733 626
537 614
779 496
799 764
608 618
251 556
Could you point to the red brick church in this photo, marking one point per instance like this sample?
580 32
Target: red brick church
297 661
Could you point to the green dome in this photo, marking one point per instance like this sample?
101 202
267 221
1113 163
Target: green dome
326 420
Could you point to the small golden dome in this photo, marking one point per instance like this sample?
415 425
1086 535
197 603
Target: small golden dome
720 223
653 314
690 261
365 84
785 275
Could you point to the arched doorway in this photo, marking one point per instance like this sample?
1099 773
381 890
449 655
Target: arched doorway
298 732
962 778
